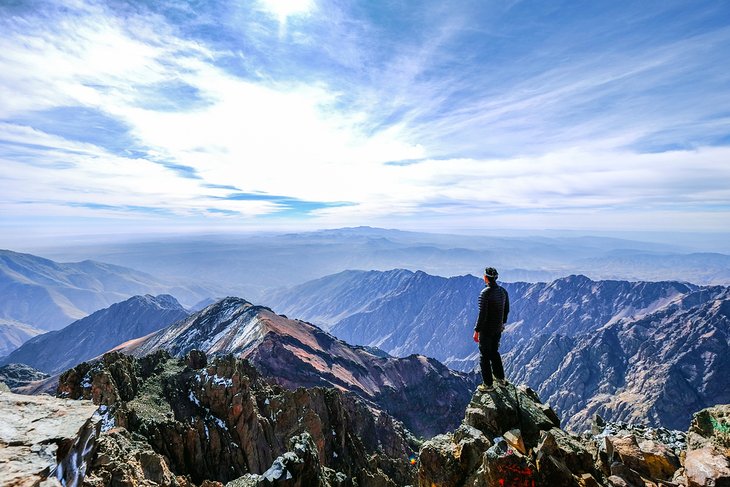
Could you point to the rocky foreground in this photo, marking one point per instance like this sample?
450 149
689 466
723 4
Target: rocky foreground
38 433
169 421
509 438
193 422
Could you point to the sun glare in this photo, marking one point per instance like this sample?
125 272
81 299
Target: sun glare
283 9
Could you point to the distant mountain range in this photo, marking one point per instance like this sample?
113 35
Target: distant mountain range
56 351
580 343
424 394
406 312
14 334
251 265
49 295
583 344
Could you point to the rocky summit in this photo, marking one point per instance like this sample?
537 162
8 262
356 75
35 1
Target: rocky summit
185 422
509 438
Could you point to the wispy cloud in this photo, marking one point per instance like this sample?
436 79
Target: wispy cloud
345 113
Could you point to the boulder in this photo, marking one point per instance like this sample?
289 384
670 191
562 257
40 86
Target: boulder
707 467
568 449
452 458
628 475
503 465
38 433
470 446
298 467
562 459
514 439
616 481
627 452
587 480
598 424
660 459
710 427
506 408
553 471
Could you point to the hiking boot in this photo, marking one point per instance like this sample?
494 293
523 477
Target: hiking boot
502 382
485 388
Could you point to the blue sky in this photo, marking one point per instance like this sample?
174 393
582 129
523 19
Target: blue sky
429 115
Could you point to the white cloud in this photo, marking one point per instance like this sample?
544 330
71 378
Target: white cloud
294 138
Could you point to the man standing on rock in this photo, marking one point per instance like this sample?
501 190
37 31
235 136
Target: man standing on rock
493 311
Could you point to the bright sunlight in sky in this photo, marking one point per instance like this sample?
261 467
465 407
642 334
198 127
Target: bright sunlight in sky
283 9
427 115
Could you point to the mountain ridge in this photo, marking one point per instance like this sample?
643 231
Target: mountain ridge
296 353
566 336
58 350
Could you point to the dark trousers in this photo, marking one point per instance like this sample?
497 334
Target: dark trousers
490 361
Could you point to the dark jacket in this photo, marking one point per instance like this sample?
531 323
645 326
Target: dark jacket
493 309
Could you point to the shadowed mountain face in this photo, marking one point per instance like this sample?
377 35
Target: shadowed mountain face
49 295
648 351
424 394
89 337
658 368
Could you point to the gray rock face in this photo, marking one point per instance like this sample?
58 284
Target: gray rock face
423 393
19 375
39 432
49 295
56 351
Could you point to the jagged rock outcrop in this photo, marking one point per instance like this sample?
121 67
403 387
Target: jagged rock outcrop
509 437
89 337
298 354
44 437
707 462
19 375
298 467
196 419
